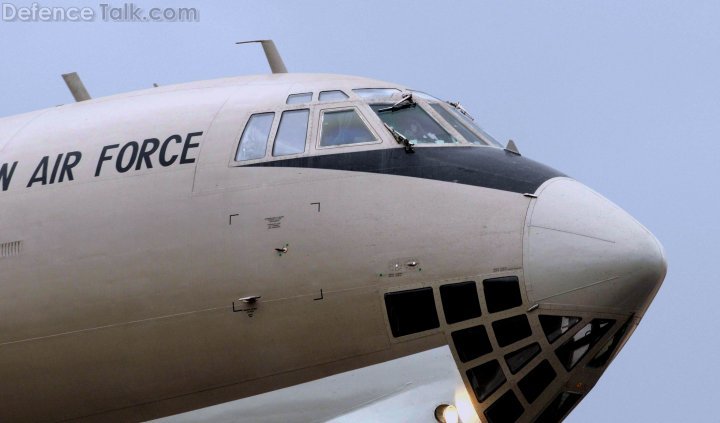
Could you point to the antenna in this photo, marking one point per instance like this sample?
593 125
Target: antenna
511 147
272 55
76 86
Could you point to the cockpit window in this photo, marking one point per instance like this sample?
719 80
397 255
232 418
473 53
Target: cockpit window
459 125
299 98
334 95
291 134
415 124
253 141
470 122
341 127
424 96
376 92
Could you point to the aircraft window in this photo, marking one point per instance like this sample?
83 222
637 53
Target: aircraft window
411 311
253 141
506 409
555 326
602 357
335 95
469 121
415 124
343 127
535 382
299 98
516 360
502 293
485 379
460 301
471 343
510 330
376 92
456 123
424 96
559 408
575 348
292 131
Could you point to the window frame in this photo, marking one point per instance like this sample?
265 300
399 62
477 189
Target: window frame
432 114
245 120
340 108
398 92
339 100
242 132
277 130
483 136
278 109
388 327
312 97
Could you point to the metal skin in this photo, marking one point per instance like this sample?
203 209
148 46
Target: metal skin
123 301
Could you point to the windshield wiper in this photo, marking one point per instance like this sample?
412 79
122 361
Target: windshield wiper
401 139
404 103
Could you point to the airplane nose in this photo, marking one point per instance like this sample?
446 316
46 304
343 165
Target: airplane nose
581 250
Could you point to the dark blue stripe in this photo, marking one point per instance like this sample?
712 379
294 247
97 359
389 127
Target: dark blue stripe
479 166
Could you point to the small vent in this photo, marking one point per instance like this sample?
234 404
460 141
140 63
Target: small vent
10 249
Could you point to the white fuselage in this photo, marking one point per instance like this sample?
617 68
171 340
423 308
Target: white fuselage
135 234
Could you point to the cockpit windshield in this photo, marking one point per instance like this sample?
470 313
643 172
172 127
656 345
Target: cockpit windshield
376 92
429 121
415 124
463 124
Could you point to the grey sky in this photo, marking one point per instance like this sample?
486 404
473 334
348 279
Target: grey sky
624 96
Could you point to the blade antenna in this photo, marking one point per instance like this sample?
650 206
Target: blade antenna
76 86
271 53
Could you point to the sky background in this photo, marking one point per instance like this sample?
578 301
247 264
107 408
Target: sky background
623 96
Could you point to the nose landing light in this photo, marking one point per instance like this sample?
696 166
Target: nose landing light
582 250
445 413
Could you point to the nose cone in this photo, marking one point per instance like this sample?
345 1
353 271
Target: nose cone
583 250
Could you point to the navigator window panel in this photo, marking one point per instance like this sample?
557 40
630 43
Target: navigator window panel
411 311
535 382
511 330
291 133
502 293
556 326
575 348
559 408
603 356
471 343
507 409
485 379
516 360
460 301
